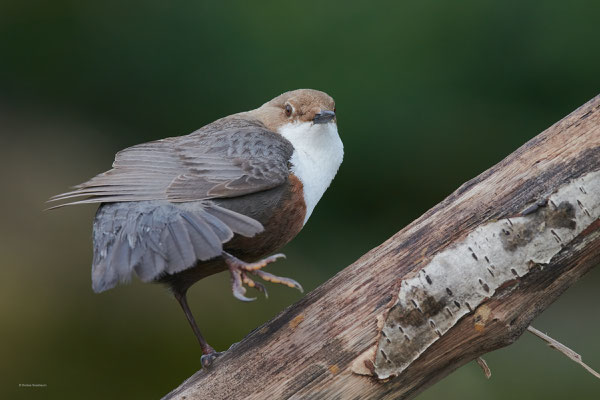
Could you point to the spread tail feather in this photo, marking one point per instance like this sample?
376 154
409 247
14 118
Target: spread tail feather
154 238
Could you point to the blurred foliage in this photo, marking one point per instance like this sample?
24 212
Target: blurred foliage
429 94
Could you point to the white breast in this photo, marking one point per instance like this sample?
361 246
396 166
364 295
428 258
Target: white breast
318 153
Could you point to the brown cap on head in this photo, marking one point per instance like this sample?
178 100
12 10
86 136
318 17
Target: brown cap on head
302 105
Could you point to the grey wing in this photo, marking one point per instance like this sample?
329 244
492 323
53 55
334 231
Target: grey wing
221 161
157 216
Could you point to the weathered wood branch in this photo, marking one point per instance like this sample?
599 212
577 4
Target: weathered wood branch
466 278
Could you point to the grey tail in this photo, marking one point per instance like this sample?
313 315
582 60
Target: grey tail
154 238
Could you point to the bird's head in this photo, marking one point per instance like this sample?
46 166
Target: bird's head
302 106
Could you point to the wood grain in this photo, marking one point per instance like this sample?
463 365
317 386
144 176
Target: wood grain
314 348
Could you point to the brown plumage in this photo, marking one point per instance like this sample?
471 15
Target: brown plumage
179 209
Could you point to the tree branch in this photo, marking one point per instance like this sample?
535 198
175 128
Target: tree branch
464 279
564 350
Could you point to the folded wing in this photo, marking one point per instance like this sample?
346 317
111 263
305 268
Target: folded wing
216 161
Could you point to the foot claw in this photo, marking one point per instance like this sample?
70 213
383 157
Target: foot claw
298 286
240 296
233 345
261 288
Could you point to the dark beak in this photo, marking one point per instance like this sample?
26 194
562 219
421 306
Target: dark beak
323 117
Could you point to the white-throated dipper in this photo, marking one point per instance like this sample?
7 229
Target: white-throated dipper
223 197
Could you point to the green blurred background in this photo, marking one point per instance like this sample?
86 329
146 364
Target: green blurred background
429 94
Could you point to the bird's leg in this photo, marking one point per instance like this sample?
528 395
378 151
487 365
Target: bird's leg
208 353
239 275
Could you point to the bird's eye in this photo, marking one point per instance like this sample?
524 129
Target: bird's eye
288 110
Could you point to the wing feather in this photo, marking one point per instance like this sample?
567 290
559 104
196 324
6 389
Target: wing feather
220 160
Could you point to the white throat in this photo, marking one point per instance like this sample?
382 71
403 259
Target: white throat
318 153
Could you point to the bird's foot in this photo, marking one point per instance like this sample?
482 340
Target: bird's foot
239 276
207 359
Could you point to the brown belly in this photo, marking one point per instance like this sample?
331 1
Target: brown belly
280 210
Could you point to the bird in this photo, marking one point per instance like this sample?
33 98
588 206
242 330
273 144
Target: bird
223 198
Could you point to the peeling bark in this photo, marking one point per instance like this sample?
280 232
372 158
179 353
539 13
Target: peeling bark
466 278
468 273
